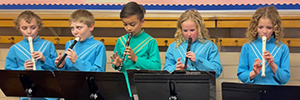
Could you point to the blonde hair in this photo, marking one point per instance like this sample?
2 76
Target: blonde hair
265 12
28 16
82 16
195 17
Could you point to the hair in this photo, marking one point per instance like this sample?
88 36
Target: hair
271 13
82 16
132 8
196 17
28 16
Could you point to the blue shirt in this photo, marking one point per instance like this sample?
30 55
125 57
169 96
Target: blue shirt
253 50
206 54
91 55
20 52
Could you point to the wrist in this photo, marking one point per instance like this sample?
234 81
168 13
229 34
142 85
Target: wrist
135 59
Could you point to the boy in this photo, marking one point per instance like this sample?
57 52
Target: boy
19 55
88 54
142 52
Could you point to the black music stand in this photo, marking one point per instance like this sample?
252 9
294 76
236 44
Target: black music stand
29 84
242 91
92 85
180 85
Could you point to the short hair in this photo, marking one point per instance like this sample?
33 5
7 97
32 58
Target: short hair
132 8
28 16
195 17
82 16
271 13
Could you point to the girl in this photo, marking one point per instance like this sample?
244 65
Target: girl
265 22
203 54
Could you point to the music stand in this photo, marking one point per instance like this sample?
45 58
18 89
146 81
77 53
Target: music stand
29 84
88 85
242 91
180 85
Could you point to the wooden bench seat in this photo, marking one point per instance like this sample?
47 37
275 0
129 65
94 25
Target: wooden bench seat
63 40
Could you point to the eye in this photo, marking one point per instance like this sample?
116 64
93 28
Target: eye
269 27
79 27
184 30
124 24
260 27
24 28
192 30
132 24
33 27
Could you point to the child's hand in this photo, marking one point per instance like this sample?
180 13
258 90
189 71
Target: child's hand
268 56
71 55
28 65
58 58
179 65
191 55
130 53
256 66
38 56
116 59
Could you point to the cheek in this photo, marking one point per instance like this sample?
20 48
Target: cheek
185 34
195 34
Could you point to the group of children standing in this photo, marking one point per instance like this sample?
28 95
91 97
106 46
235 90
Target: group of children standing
143 53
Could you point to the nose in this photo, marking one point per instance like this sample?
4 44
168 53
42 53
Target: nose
28 30
74 31
264 31
190 34
128 28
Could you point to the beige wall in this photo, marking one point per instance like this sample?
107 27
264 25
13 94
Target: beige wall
228 75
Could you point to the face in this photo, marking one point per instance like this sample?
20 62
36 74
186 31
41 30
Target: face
28 29
132 24
265 27
81 30
189 30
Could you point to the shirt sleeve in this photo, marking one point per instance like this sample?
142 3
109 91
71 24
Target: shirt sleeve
170 64
153 61
244 68
50 59
212 63
11 60
282 74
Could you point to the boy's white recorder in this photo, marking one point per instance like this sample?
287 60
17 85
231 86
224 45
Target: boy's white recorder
264 40
31 51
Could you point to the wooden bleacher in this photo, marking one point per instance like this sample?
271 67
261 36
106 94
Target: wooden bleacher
108 20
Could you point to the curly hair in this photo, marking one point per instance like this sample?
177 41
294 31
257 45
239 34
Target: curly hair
196 17
271 13
28 16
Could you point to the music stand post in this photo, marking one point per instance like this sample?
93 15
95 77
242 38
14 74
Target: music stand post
29 84
92 85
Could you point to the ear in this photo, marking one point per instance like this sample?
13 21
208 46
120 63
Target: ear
142 21
91 28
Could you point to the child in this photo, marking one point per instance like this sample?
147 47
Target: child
203 54
265 22
19 56
142 52
88 54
